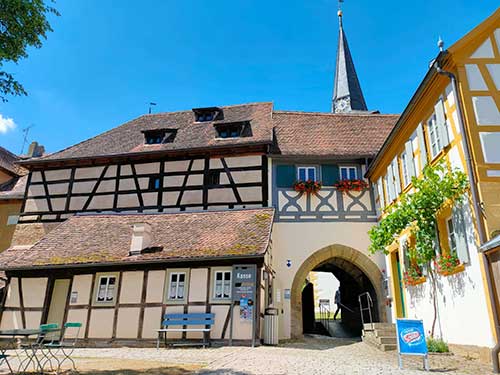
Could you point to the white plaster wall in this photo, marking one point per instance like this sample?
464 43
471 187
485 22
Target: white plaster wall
198 285
81 285
297 241
33 319
128 322
131 290
220 317
34 291
78 316
11 320
12 299
101 323
156 281
462 312
152 322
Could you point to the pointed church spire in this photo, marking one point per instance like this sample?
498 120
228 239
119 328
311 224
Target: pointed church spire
347 94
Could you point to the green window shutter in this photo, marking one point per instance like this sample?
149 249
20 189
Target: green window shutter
329 174
459 228
285 176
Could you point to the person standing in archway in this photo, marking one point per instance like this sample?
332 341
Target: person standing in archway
338 303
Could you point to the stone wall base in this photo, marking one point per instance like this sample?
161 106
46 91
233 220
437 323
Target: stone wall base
481 353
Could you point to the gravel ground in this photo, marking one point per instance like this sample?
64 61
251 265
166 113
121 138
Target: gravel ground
311 356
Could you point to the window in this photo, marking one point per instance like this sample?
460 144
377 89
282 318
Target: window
452 237
158 136
434 139
207 114
381 195
306 173
213 178
348 173
12 219
154 182
222 285
177 286
106 289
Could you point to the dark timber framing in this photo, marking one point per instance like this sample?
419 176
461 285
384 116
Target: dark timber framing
55 215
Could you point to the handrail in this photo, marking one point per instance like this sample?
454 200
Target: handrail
369 301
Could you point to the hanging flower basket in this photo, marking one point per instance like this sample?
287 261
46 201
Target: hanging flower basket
351 185
448 264
307 187
413 276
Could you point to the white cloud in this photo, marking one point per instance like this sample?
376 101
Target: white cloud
6 124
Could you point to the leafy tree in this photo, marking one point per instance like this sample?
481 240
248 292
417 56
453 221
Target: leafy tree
23 24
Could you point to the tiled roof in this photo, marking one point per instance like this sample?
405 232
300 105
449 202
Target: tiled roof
8 162
14 188
128 138
331 135
98 239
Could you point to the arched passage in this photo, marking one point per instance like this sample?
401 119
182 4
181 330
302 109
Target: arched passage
346 262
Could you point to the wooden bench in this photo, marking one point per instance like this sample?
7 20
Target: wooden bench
184 322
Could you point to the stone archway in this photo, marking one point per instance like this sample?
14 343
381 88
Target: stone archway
357 258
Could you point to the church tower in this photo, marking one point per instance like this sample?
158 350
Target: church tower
347 94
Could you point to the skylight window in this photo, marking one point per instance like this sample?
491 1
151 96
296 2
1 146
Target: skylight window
233 130
207 114
159 136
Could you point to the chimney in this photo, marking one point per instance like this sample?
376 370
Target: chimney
141 238
35 150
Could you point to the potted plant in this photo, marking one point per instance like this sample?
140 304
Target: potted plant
448 264
351 185
413 276
307 187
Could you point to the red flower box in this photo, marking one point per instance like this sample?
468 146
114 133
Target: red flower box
307 187
351 185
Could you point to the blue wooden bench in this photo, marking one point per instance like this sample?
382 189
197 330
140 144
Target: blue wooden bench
185 323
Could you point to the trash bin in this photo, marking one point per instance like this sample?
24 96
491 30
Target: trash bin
271 326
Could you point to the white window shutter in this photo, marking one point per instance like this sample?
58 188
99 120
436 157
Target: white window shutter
441 123
410 164
380 188
421 145
390 183
460 234
397 178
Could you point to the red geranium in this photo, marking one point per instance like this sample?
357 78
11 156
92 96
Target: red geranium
308 186
351 185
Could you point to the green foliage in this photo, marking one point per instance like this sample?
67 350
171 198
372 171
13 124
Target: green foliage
437 345
417 210
23 24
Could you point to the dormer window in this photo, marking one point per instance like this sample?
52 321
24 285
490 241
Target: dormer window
233 130
159 136
207 114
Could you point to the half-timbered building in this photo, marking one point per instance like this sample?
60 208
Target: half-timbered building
152 216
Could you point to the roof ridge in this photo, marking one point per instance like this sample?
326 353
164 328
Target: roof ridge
335 114
220 106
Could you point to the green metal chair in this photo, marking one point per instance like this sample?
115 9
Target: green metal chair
66 345
48 332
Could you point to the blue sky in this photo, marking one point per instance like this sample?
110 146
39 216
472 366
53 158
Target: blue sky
106 60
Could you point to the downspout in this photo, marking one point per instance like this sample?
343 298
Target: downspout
477 210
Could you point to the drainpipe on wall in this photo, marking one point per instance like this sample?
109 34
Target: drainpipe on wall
477 210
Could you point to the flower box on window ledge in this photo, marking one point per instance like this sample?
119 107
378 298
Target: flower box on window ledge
413 276
351 185
308 187
448 264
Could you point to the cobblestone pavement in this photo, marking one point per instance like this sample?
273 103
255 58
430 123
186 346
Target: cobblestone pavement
310 356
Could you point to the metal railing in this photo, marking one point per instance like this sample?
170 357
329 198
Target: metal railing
369 304
324 314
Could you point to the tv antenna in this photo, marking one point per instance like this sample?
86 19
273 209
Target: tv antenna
25 137
151 104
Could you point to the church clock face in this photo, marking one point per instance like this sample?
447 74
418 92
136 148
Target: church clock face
342 105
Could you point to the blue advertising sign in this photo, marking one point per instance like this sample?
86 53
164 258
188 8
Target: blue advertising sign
411 339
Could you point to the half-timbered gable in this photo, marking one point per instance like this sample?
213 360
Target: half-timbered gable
158 163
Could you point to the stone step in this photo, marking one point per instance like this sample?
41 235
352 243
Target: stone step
385 332
388 347
387 340
374 326
383 347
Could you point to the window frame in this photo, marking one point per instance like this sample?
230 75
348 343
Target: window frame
348 168
223 280
451 235
99 277
213 273
12 219
405 173
168 279
307 168
152 183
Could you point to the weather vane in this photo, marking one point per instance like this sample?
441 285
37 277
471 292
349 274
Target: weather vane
339 12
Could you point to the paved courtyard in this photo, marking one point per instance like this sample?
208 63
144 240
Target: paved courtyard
311 356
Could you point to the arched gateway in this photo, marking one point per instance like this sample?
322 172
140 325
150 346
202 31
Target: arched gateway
346 264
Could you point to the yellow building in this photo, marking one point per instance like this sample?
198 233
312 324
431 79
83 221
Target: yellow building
453 116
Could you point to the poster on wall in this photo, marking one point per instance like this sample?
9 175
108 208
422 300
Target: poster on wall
246 310
411 340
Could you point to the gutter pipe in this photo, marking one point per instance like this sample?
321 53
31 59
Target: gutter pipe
477 211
